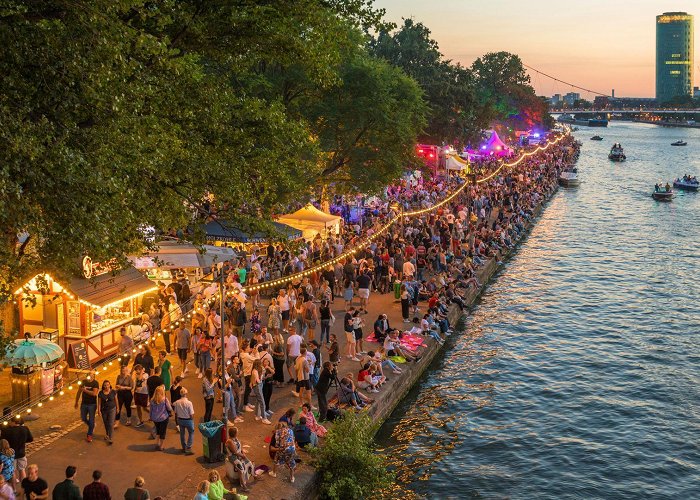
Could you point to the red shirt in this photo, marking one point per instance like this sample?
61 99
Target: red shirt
432 302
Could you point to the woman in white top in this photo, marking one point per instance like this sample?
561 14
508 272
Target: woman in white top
284 305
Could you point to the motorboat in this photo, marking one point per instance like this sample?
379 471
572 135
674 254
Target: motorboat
662 193
569 178
617 153
596 138
687 183
679 143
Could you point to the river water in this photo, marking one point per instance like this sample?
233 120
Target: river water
579 373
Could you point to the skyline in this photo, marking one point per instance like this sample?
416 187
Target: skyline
537 35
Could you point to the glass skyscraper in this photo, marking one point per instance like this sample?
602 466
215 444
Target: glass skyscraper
674 55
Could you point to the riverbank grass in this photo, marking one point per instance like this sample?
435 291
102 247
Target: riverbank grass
347 464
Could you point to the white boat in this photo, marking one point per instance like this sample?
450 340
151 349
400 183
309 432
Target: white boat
569 178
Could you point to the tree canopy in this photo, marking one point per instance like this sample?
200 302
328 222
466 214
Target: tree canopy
456 115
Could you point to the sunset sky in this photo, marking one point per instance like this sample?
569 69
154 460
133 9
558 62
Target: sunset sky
597 44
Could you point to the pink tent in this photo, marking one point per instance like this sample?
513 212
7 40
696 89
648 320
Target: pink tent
495 145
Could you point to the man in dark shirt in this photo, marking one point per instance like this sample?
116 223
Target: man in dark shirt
34 487
18 436
67 490
88 405
154 381
322 386
363 281
96 490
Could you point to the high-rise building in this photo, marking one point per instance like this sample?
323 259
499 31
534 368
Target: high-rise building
674 55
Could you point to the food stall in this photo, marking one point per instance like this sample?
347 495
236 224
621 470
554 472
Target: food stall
83 316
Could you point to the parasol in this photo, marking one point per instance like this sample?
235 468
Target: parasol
31 352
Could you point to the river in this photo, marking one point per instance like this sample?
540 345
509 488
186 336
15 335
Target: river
579 373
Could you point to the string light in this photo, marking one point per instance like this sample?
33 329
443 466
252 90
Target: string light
288 279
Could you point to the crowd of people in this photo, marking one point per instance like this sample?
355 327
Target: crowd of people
430 262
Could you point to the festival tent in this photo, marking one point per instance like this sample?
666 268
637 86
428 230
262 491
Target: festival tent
494 145
312 221
221 232
454 162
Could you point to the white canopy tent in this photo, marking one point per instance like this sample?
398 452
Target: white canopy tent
454 162
179 255
312 221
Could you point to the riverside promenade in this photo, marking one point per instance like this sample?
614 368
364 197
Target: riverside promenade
173 475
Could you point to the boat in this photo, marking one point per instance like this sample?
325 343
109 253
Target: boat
687 183
569 178
679 143
617 153
596 138
662 193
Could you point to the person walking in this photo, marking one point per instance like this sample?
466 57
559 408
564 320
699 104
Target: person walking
256 384
160 415
126 346
268 377
182 344
301 368
184 413
88 404
107 408
166 369
208 384
196 338
96 490
145 359
67 489
18 435
327 319
140 392
324 383
124 388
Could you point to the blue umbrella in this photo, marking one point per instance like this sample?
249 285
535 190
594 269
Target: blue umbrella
31 352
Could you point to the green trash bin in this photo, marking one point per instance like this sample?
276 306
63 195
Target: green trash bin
397 290
212 440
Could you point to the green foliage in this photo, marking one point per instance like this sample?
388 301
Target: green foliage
503 84
347 464
456 115
367 126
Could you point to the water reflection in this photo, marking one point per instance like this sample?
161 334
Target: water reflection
578 374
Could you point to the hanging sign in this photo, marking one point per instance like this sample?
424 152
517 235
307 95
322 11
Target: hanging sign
92 269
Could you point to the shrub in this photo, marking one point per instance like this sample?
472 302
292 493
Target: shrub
347 464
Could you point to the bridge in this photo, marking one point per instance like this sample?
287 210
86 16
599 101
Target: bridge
601 112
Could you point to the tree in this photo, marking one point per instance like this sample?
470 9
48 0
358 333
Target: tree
456 115
118 115
503 83
367 126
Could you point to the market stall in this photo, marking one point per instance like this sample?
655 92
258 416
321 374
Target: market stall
312 221
83 316
37 368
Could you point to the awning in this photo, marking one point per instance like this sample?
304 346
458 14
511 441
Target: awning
179 255
312 221
221 230
107 289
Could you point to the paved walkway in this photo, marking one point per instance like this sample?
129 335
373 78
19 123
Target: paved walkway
170 473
